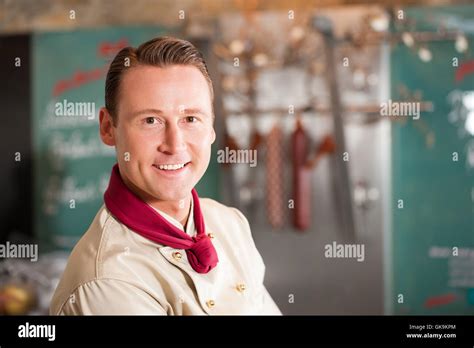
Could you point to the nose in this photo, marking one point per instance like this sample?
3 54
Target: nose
173 141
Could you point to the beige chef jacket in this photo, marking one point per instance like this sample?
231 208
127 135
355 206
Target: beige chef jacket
113 270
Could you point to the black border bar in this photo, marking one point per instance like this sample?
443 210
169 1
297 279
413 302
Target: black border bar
139 330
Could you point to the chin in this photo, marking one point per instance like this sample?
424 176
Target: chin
172 194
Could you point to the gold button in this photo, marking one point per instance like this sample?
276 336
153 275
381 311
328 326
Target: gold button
177 255
241 287
211 303
211 235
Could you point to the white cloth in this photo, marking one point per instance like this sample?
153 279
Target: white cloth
113 270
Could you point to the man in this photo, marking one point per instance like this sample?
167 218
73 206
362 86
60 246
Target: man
155 247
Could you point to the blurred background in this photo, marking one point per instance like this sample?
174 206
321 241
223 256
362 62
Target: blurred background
307 84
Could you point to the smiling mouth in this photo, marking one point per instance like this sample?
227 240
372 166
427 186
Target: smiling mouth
171 167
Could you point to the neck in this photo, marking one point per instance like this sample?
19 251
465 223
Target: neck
179 210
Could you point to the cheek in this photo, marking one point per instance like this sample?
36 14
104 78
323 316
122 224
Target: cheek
137 144
202 141
201 149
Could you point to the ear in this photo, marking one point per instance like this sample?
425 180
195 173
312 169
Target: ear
213 136
106 127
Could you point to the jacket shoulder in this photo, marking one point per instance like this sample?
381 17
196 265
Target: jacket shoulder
86 261
212 207
237 229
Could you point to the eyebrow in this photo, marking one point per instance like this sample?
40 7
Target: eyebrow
160 112
147 111
194 111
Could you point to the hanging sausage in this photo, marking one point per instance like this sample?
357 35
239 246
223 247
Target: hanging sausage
274 177
301 178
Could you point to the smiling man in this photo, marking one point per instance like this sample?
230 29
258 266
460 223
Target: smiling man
155 247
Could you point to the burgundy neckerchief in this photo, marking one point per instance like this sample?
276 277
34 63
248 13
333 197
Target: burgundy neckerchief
137 215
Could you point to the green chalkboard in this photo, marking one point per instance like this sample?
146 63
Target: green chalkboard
71 165
433 175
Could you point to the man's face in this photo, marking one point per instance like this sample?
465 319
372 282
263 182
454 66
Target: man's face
164 130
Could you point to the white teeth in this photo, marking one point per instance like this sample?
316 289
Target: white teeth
170 166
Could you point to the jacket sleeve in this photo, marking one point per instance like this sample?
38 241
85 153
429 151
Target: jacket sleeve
110 297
